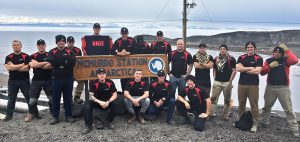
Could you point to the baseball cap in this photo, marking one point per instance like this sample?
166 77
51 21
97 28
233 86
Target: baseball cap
202 44
124 30
100 70
278 49
60 38
96 26
159 33
70 39
161 73
40 42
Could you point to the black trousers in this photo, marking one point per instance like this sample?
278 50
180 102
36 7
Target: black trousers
89 106
183 111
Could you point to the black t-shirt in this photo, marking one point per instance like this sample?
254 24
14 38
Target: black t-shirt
161 47
202 75
103 91
62 61
96 45
197 98
249 61
179 61
18 59
142 48
39 73
223 74
278 75
161 90
137 88
121 44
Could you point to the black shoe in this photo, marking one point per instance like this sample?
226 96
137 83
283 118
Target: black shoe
37 116
150 117
109 126
7 118
77 100
170 122
69 119
86 130
99 125
54 121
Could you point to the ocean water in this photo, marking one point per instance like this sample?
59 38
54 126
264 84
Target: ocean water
29 38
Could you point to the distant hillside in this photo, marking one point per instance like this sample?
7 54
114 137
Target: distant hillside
236 40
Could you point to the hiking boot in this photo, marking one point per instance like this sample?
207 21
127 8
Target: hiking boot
141 118
131 119
109 125
226 118
29 117
253 129
7 118
296 134
86 130
54 121
69 119
77 100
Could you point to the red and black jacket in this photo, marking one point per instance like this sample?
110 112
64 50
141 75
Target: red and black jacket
279 75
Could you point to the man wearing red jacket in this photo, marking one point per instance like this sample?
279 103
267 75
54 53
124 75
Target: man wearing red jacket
278 68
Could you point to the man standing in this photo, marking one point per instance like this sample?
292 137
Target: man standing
142 47
198 101
80 84
96 44
249 65
203 63
136 97
160 46
182 65
63 61
278 68
103 93
224 73
17 63
161 95
122 47
41 79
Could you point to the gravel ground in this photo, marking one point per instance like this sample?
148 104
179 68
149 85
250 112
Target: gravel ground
216 130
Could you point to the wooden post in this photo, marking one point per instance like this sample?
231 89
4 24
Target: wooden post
184 20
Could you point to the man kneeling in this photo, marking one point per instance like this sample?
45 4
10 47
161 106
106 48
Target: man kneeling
198 104
103 92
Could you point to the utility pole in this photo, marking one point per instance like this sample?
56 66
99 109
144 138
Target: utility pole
184 20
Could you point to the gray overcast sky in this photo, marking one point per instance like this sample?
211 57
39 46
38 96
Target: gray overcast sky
137 10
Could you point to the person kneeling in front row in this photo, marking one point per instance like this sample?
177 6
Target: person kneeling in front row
198 104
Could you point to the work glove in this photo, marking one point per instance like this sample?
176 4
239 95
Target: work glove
283 46
273 64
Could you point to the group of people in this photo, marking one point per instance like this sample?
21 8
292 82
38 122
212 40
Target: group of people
145 98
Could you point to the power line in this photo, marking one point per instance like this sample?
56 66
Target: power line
162 10
207 12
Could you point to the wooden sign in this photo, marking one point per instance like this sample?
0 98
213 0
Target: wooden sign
119 66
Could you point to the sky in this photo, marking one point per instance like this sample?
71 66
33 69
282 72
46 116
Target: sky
208 14
286 11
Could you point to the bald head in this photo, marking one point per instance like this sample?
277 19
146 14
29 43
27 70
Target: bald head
180 44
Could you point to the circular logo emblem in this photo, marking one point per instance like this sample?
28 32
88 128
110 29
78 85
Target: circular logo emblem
156 64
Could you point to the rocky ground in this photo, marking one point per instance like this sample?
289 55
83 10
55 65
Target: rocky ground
216 130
